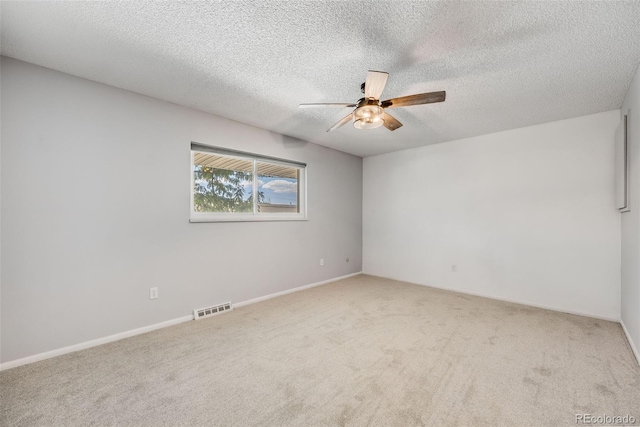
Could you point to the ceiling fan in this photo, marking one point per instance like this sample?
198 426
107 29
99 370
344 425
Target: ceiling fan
369 112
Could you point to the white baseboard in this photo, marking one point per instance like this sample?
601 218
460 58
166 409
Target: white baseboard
99 341
92 343
636 353
289 291
514 301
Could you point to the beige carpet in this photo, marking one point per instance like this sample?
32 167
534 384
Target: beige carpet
362 351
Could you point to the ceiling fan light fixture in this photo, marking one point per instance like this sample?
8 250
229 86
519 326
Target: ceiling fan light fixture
368 123
368 117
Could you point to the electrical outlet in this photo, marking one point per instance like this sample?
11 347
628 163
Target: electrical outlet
454 268
347 259
321 262
153 293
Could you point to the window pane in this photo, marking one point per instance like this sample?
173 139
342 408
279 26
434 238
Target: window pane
278 188
222 183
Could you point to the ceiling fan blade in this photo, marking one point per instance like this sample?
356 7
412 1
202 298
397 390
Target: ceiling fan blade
325 104
374 85
341 123
421 98
391 122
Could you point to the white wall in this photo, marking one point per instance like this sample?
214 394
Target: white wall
0 210
526 215
631 220
95 210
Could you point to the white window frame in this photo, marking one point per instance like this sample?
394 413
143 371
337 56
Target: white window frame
253 216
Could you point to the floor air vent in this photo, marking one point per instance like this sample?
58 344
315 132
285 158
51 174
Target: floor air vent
201 313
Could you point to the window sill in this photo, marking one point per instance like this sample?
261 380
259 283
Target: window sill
246 218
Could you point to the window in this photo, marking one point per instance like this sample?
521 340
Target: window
229 185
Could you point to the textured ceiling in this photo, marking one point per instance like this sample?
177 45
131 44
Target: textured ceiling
503 64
